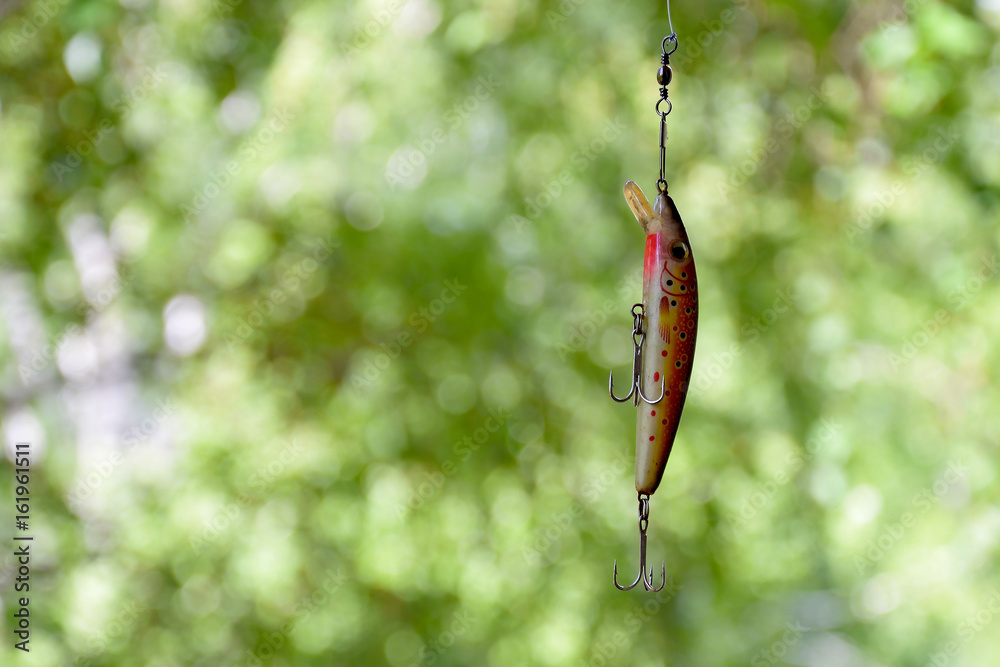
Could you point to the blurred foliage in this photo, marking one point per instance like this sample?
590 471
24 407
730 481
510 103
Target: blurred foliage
308 308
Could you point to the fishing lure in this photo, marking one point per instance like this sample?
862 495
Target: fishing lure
664 328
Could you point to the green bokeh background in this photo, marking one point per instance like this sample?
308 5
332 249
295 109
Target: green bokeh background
308 309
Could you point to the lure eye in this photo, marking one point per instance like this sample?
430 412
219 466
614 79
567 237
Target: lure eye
678 250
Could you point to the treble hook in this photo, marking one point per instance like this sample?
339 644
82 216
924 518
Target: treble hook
647 580
635 393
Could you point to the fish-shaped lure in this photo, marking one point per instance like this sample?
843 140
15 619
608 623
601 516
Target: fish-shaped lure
664 333
670 302
664 326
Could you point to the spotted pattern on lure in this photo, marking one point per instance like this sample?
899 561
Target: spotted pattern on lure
670 300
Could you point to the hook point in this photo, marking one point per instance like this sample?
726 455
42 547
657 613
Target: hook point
629 587
663 392
663 578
